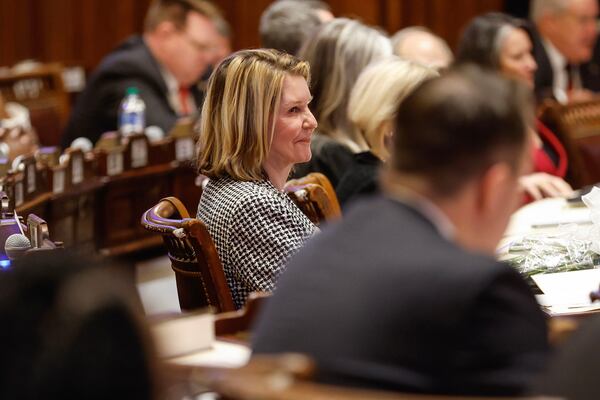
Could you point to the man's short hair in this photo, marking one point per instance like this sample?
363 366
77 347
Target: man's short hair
286 24
452 128
539 8
176 11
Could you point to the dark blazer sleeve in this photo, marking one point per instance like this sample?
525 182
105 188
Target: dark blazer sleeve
504 338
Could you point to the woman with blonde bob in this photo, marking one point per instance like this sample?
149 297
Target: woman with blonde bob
373 103
255 126
337 54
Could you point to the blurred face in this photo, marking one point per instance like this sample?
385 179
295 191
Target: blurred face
294 125
574 30
191 49
516 60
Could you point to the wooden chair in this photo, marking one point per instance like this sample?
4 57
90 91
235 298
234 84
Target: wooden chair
41 90
288 377
315 196
577 125
238 323
199 274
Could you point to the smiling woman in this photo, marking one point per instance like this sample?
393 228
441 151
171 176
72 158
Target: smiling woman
255 126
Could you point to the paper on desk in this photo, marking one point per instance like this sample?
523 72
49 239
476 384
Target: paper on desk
568 288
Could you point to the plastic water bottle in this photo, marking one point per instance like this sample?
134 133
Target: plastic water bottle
132 113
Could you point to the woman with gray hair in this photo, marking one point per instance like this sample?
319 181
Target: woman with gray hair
337 54
500 43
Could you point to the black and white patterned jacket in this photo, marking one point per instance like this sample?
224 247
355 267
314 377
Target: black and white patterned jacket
256 229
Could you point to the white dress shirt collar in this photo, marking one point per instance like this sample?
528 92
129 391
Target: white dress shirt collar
558 62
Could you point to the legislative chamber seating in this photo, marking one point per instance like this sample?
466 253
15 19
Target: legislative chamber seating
315 196
199 274
41 90
94 199
577 125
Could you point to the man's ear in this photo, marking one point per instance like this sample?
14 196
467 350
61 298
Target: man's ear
492 186
165 29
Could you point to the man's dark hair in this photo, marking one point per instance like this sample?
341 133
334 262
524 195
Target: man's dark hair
452 128
286 24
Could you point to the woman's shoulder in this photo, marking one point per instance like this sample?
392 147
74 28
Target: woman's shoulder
240 193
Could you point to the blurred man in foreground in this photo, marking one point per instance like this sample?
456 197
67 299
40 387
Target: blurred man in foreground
405 293
165 64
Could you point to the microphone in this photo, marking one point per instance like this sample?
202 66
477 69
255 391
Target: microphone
16 245
82 143
154 133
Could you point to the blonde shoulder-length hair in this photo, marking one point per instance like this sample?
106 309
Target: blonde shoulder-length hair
378 93
238 115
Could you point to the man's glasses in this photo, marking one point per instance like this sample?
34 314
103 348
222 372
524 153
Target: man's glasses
200 46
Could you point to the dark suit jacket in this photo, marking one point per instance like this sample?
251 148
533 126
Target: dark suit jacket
131 64
544 76
382 300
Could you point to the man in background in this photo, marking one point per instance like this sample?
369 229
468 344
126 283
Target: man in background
564 36
286 24
165 64
405 292
419 44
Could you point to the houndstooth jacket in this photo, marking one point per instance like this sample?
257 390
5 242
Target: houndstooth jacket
256 229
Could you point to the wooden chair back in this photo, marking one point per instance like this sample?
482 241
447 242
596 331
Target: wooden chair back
199 274
315 196
239 323
577 125
41 90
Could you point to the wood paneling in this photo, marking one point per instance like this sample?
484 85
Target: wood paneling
83 31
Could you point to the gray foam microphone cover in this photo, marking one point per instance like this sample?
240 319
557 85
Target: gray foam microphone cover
16 245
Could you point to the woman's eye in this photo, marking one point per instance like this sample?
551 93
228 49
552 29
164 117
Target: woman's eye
295 109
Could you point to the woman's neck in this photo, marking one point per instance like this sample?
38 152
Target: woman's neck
277 176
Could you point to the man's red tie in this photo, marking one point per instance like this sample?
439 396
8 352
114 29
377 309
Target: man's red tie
184 94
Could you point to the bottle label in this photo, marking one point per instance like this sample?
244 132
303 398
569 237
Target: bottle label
132 122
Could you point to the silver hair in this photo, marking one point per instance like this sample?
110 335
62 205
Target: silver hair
501 35
539 8
286 24
337 55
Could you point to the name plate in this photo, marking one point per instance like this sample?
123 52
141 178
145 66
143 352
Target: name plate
76 170
30 178
184 149
114 163
18 194
58 181
139 153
